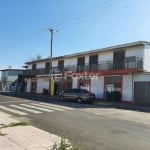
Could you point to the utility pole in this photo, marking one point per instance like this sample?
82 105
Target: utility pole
50 61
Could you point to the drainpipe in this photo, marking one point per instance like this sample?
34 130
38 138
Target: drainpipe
132 88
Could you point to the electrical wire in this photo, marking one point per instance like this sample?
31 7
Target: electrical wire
96 16
76 18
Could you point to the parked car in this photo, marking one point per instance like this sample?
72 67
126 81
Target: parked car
79 95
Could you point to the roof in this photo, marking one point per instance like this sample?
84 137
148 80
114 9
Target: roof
45 59
95 51
111 48
11 70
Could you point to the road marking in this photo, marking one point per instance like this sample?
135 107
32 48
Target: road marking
43 109
5 114
12 102
105 113
26 109
12 110
58 106
46 106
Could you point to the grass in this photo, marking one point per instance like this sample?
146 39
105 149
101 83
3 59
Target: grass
65 145
14 124
1 134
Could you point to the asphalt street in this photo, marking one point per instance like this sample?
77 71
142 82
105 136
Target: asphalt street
93 127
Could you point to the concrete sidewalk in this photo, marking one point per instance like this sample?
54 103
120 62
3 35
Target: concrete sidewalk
128 106
19 137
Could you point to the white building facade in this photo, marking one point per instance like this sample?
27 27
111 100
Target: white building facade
118 74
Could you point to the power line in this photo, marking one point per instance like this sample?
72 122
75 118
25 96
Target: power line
84 12
76 18
100 15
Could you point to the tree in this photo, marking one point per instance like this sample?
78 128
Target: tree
37 57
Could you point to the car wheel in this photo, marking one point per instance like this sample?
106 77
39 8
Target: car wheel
79 100
61 98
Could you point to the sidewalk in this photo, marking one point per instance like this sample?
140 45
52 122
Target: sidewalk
136 107
128 106
14 135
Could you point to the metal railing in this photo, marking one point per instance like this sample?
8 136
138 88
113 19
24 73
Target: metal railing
128 63
135 63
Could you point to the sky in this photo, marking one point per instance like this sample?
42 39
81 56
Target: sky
79 25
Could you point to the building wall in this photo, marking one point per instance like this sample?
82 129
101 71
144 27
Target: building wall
75 82
40 65
137 51
41 84
142 77
105 56
70 61
97 86
55 63
29 66
146 62
86 59
127 88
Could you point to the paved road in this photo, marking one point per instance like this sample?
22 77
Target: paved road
93 126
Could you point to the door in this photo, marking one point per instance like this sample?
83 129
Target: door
142 92
68 94
33 87
109 92
113 92
118 59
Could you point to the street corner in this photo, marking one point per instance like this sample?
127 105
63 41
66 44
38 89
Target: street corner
17 135
29 137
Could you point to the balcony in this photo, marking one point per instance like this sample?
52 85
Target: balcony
130 63
34 72
41 71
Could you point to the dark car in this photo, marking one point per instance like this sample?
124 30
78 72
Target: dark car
79 95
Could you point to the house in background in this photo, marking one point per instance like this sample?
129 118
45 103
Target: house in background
11 80
118 74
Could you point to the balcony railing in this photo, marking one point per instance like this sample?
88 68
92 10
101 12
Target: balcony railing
41 71
34 72
133 63
129 63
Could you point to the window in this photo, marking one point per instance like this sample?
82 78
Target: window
93 62
61 64
34 66
81 63
118 59
47 65
76 90
93 59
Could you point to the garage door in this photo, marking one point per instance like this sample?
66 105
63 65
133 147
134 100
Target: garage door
142 92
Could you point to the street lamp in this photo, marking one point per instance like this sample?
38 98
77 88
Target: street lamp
50 61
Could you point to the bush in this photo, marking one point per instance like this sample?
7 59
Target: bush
64 145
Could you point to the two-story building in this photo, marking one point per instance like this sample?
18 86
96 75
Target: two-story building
119 73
